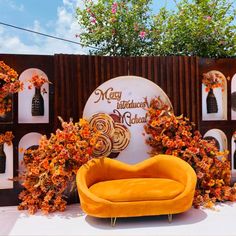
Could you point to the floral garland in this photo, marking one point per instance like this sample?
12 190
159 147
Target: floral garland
9 84
6 138
51 167
175 135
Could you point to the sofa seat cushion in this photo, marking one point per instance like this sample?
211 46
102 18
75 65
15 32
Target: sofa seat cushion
137 189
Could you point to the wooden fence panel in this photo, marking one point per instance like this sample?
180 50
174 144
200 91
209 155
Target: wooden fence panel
226 66
20 63
177 76
76 77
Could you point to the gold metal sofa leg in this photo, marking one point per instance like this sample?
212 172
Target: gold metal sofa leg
170 218
113 222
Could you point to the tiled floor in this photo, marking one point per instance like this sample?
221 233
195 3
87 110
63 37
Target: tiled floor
73 222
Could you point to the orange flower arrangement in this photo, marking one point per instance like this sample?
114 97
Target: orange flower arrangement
213 79
177 136
37 81
9 84
53 166
6 138
5 105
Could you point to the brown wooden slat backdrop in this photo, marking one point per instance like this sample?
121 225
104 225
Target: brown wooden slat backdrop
76 77
21 63
228 67
173 75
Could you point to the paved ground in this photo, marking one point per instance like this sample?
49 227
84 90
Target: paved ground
202 222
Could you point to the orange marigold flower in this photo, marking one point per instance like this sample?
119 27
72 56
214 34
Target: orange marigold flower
51 167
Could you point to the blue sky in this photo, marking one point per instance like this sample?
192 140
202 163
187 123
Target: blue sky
54 17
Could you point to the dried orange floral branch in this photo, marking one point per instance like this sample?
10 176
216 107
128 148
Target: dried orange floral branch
6 138
51 167
9 84
176 135
37 81
214 79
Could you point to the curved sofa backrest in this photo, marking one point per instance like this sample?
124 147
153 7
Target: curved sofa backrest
160 166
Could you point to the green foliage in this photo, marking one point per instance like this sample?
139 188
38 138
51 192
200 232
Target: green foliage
118 28
203 28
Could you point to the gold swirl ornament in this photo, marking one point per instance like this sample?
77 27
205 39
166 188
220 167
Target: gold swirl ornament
103 123
120 138
103 146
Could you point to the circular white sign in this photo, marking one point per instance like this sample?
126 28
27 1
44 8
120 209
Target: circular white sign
118 108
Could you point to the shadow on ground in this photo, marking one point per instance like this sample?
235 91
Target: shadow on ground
190 217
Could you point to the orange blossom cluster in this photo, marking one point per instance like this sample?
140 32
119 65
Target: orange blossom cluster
9 84
176 135
6 138
52 167
37 81
213 79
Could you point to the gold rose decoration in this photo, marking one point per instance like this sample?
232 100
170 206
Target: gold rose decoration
114 137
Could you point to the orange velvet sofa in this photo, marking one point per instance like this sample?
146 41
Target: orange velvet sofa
161 185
